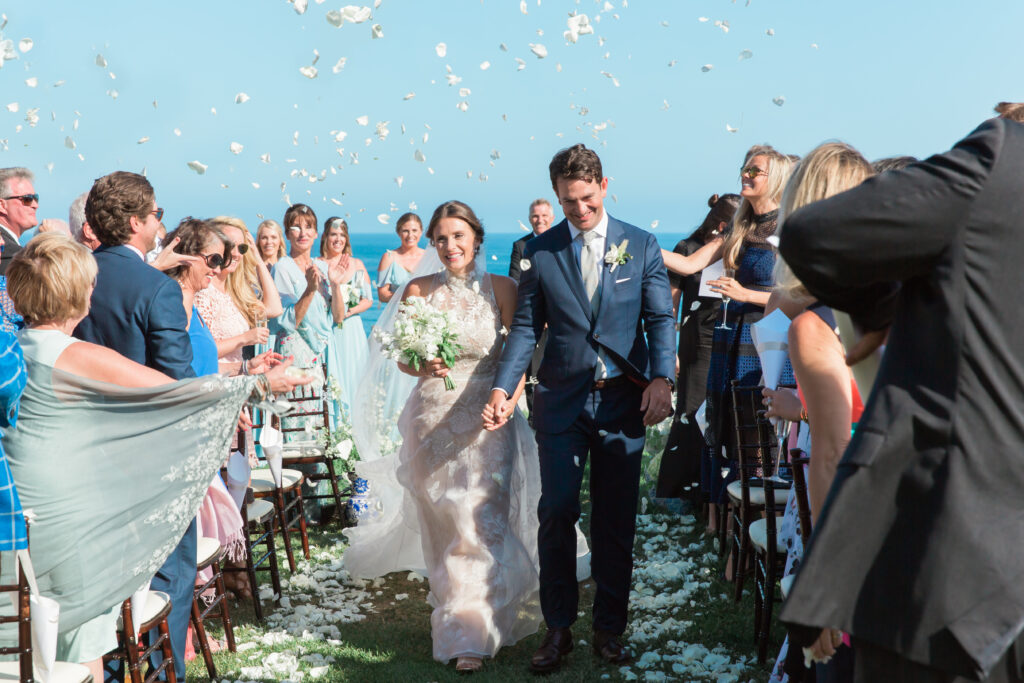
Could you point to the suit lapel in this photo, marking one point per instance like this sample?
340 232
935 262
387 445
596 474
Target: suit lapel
615 236
571 268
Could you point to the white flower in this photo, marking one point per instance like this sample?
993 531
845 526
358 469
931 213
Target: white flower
525 265
617 255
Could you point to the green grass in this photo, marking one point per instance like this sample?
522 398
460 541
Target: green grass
392 642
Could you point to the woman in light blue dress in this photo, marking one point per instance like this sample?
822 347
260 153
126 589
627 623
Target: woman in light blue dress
305 330
349 335
396 267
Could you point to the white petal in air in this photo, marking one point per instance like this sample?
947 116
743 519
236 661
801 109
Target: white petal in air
539 50
177 131
654 224
462 106
520 64
25 44
12 107
383 218
101 61
398 181
419 156
730 128
143 140
770 32
363 120
32 82
236 147
707 67
579 25
300 6
484 66
779 101
308 71
69 143
522 6
441 49
377 31
746 54
241 98
340 65
198 167
409 96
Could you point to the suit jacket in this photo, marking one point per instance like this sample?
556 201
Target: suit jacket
11 247
518 248
635 300
138 311
920 545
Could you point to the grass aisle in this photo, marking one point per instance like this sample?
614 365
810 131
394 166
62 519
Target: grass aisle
683 626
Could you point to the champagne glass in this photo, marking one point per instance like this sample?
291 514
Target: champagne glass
261 320
729 273
782 428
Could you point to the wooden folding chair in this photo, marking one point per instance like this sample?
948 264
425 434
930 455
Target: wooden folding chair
259 518
134 653
209 553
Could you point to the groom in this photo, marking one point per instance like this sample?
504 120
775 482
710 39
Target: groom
601 288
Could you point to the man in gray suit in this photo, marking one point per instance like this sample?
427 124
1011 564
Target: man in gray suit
919 551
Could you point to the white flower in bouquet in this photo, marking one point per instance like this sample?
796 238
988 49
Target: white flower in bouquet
422 333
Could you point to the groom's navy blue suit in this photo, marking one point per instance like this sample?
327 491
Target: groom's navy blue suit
137 311
634 327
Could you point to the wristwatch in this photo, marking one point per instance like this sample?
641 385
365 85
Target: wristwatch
668 380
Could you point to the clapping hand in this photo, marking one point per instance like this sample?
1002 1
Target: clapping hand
336 273
168 258
497 411
313 278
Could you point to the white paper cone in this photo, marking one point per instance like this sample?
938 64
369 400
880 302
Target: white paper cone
771 339
238 477
270 440
139 598
45 615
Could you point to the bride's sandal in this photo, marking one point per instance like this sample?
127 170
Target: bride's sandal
468 665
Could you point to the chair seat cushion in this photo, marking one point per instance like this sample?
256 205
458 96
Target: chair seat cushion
62 672
786 584
759 536
735 490
206 549
263 481
259 510
156 601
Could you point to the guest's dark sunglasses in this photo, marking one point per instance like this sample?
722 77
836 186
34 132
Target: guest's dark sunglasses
159 213
26 199
242 248
213 260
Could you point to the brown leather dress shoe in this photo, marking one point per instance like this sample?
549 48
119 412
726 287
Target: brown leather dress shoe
609 647
548 657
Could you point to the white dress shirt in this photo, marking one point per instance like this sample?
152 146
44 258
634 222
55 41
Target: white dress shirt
606 367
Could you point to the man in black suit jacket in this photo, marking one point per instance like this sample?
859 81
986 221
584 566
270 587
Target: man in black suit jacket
138 311
18 204
541 218
919 551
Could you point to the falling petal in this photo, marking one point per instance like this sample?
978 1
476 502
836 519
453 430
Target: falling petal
730 128
503 47
334 18
746 54
615 81
381 129
198 167
113 93
32 82
524 228
308 71
464 92
702 19
383 218
241 98
12 107
235 147
143 140
654 224
377 31
579 24
101 61
295 138
25 44
484 66
409 96
398 181
462 106
265 158
539 50
770 32
363 120
673 63
441 49
255 186
177 131
779 101
814 45
59 83
707 67
340 65
213 110
300 6
495 154
522 6
419 156
520 64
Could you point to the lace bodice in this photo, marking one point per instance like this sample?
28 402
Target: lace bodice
474 314
222 317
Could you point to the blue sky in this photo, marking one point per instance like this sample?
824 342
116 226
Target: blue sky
890 78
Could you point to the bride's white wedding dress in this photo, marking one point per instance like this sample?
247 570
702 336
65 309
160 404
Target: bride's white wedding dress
470 495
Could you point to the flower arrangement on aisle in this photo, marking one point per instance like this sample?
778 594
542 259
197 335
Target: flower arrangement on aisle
421 334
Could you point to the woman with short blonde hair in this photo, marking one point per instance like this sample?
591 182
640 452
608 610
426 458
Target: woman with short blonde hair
54 281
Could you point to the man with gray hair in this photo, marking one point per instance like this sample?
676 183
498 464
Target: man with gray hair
18 204
80 228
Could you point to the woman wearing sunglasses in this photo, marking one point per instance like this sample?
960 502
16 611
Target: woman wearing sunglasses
748 261
241 297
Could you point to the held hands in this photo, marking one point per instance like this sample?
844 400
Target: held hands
497 411
782 403
168 258
656 402
728 287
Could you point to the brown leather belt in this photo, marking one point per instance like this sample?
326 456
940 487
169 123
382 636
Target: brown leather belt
611 382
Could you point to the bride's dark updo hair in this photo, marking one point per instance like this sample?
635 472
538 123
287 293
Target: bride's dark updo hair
456 209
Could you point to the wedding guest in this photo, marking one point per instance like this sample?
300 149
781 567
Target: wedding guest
80 229
128 447
349 335
679 474
541 218
18 204
828 402
10 320
1014 111
748 260
270 239
232 306
313 302
905 558
397 266
473 492
892 163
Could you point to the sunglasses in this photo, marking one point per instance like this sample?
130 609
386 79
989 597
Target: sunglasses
159 213
26 199
242 248
752 172
213 260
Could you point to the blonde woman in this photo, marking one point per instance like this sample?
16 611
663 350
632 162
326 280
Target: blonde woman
270 240
396 267
748 260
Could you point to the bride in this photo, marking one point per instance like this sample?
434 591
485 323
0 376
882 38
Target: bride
467 498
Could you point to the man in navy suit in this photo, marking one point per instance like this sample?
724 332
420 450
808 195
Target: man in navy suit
138 311
601 288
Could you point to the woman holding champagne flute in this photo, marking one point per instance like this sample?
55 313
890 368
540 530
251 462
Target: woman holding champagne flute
748 260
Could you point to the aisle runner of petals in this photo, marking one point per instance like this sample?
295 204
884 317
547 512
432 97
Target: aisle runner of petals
673 580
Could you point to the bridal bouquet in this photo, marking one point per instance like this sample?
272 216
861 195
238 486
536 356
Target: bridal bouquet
352 294
421 334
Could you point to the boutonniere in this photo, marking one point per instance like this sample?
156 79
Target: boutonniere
617 255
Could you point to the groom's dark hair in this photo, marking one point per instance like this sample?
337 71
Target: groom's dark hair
575 163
